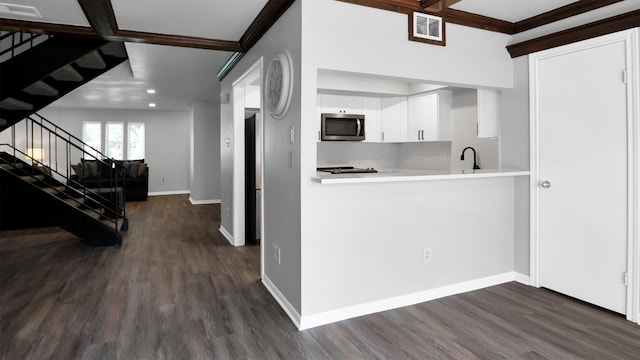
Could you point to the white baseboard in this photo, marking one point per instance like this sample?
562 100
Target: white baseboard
521 278
175 192
310 321
227 235
204 202
284 303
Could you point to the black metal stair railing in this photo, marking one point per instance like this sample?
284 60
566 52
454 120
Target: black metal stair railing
59 148
14 43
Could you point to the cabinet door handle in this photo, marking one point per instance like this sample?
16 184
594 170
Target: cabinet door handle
383 136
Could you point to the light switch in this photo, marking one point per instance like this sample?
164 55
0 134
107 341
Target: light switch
292 134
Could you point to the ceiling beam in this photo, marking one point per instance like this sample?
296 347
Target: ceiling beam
436 5
268 16
607 26
400 6
101 16
449 15
560 13
468 19
176 40
47 28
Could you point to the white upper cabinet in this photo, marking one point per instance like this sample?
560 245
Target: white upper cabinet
393 119
371 111
488 113
335 104
429 117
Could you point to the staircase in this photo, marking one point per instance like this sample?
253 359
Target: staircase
29 191
43 188
37 71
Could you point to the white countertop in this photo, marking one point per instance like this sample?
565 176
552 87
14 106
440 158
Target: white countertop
399 175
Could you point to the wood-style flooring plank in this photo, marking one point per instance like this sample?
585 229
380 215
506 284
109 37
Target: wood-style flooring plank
177 290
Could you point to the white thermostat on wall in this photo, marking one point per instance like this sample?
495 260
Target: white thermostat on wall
278 85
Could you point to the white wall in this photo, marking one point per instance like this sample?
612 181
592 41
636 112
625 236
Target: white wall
385 156
281 184
205 153
166 140
377 253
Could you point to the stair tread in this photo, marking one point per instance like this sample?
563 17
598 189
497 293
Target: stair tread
92 60
14 104
67 73
11 167
34 178
54 190
41 88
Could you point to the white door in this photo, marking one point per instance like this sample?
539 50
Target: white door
582 153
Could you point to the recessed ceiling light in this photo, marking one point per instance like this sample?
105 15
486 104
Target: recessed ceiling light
19 10
152 104
151 91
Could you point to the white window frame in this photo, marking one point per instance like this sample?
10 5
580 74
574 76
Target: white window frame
85 134
106 139
128 138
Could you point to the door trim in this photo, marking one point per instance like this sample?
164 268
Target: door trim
630 38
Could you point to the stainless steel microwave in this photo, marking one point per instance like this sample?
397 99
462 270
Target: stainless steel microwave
342 127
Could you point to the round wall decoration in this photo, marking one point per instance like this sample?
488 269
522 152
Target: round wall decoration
279 84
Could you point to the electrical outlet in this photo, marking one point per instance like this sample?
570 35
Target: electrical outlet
164 181
292 159
292 134
426 255
276 253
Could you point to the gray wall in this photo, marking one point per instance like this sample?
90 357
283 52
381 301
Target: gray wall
167 140
464 115
281 183
514 145
205 153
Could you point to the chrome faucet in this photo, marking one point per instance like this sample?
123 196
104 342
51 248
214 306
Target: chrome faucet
475 165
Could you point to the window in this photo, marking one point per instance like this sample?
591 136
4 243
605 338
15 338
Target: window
118 144
92 136
115 141
135 141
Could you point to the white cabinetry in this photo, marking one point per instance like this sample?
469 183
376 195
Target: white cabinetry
429 117
488 113
371 111
393 119
334 104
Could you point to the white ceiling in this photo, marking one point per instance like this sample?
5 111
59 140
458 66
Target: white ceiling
214 19
510 10
179 75
182 75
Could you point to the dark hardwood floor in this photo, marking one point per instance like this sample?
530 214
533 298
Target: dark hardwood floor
177 290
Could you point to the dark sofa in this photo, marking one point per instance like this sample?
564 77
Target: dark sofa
133 177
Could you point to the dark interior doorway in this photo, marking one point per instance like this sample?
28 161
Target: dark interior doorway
253 176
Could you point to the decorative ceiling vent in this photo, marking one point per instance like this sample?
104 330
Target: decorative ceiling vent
19 10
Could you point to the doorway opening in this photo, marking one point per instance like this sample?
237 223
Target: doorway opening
248 159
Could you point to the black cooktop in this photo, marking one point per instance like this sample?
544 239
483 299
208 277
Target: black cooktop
346 170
